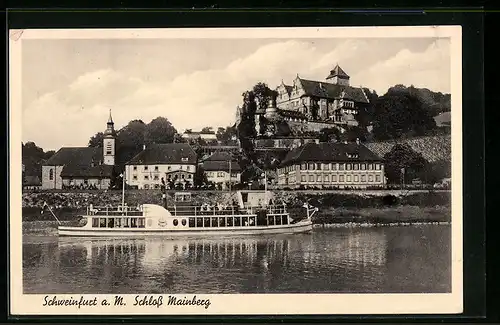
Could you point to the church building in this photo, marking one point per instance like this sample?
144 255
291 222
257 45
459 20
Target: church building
82 167
333 100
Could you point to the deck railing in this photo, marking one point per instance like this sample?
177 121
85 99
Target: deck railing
114 211
182 210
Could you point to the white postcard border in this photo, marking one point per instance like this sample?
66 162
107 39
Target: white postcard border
239 304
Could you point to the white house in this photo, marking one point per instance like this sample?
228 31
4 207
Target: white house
175 163
221 169
207 136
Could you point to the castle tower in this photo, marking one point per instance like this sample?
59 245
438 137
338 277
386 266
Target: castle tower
338 76
109 142
272 111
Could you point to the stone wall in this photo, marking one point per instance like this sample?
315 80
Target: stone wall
298 127
54 183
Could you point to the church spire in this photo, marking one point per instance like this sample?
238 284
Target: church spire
110 119
110 129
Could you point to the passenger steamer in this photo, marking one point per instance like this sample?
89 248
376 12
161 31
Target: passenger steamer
251 214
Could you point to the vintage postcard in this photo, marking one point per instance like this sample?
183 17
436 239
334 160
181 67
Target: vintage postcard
271 171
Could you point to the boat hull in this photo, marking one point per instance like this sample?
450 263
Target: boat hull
299 227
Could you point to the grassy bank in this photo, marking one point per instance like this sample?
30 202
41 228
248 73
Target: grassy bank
399 214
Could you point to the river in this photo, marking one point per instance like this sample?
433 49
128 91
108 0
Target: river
411 259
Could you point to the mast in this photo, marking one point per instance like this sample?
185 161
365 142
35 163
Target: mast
265 187
123 190
229 175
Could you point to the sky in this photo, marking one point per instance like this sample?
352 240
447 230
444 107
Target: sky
70 85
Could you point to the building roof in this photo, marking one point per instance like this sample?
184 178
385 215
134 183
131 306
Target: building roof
82 156
77 171
220 156
212 165
168 153
219 161
329 152
338 72
332 91
32 181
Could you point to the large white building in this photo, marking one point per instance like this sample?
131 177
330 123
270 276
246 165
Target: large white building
175 163
328 165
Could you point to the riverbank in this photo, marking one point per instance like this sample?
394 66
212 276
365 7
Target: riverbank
335 217
334 208
389 215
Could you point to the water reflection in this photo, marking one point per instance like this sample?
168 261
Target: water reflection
340 260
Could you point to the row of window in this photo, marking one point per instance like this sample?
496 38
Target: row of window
241 221
118 222
220 174
341 178
157 177
347 104
333 166
156 168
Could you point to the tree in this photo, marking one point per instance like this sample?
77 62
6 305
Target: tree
49 154
206 129
263 122
436 171
200 177
262 95
246 128
96 140
353 133
130 141
179 139
399 113
403 156
33 158
159 130
226 135
329 135
314 110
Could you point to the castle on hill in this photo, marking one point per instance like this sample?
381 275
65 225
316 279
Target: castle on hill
316 104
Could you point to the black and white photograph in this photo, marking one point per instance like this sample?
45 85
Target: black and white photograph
236 171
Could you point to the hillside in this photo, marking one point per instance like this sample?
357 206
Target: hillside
434 102
432 148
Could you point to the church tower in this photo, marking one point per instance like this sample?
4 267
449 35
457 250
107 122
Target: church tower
109 142
338 76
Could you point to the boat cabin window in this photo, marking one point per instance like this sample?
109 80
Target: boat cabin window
225 221
118 222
